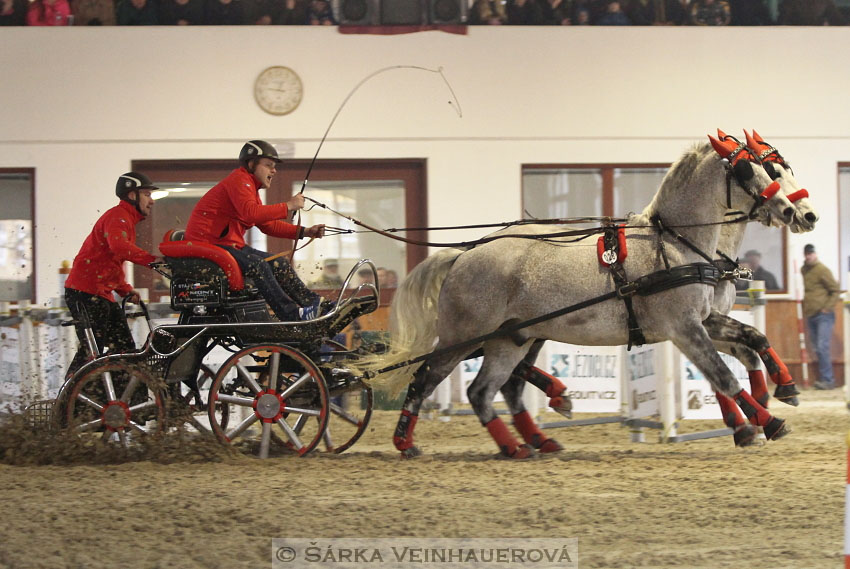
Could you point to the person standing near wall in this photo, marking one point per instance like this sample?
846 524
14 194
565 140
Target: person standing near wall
821 292
98 270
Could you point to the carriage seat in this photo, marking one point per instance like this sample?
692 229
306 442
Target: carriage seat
203 274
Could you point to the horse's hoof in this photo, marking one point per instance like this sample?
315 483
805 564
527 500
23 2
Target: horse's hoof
411 452
787 393
523 452
562 404
550 445
745 436
776 429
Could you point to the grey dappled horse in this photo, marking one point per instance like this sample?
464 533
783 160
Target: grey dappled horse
459 295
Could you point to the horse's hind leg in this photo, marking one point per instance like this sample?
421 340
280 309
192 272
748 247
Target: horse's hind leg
748 346
501 357
429 375
693 340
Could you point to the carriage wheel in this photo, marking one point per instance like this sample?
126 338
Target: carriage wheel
276 399
116 402
196 413
350 411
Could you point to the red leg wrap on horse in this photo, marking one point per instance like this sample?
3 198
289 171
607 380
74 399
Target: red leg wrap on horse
529 430
758 386
504 439
547 383
403 438
757 414
781 377
731 415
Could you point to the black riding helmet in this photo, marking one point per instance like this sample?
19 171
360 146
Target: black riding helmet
133 181
254 149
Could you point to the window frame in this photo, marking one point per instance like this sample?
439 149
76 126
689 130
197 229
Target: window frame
34 280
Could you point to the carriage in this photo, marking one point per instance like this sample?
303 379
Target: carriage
285 388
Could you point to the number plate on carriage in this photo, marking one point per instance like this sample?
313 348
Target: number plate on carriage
185 292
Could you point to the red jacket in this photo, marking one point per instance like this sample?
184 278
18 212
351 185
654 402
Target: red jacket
232 207
98 267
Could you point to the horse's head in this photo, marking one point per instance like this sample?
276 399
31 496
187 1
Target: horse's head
777 168
761 196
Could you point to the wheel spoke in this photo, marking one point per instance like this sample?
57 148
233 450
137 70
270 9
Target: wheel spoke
264 440
301 410
90 402
344 415
108 385
236 400
299 424
290 434
122 436
238 429
245 376
136 427
326 436
197 424
130 389
296 385
88 426
145 405
274 366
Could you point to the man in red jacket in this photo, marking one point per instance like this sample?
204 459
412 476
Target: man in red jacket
233 206
98 270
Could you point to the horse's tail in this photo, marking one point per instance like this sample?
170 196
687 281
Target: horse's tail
413 320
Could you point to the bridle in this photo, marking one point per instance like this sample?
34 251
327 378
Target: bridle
733 151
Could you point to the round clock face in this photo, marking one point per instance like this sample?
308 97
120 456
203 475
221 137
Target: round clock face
278 90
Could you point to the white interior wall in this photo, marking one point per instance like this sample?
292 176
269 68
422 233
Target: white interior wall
79 104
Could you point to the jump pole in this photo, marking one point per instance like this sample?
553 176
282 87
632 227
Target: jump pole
847 509
847 347
801 331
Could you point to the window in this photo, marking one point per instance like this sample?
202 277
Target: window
17 249
598 190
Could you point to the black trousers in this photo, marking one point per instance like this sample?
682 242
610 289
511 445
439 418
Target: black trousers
272 278
108 323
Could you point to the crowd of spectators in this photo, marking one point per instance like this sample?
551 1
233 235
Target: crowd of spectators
481 12
165 12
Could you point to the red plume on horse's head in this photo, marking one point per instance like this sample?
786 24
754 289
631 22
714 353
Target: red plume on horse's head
756 143
724 148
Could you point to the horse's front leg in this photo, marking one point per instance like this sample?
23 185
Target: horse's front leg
749 345
425 380
523 422
692 338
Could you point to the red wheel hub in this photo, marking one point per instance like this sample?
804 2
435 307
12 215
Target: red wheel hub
115 415
269 406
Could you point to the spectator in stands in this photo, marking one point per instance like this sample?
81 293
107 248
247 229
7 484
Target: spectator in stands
181 12
261 12
524 12
320 14
93 12
810 13
48 13
581 16
329 279
488 12
613 16
391 280
556 12
750 13
223 13
136 13
678 12
640 12
293 13
13 12
710 13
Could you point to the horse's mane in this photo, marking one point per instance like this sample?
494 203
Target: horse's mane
680 173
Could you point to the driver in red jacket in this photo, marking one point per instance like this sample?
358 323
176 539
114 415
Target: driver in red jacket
98 270
231 207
